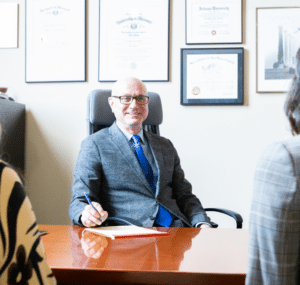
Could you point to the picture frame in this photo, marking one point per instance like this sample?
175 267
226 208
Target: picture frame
55 41
9 24
213 22
277 41
134 39
212 76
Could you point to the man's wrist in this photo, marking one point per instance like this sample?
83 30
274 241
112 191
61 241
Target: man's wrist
198 225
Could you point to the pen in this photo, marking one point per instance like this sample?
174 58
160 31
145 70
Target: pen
90 202
42 233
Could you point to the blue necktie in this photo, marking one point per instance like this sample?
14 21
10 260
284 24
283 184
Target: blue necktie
163 217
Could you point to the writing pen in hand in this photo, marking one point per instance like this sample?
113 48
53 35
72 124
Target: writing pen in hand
90 202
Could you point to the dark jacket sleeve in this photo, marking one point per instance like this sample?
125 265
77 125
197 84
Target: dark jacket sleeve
188 203
87 179
175 192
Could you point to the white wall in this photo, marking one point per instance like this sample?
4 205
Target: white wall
218 145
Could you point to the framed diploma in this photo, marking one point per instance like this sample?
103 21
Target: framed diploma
134 40
213 21
9 25
55 41
212 76
278 39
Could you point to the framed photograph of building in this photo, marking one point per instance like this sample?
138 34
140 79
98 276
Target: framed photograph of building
212 76
278 39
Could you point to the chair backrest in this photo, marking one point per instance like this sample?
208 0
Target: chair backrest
99 114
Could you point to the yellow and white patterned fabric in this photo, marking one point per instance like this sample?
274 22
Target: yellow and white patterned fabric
22 256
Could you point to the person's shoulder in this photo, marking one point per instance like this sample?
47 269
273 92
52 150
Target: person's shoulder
156 137
8 173
99 135
290 145
282 154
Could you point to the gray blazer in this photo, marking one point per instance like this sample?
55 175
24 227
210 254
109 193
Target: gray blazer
274 244
109 172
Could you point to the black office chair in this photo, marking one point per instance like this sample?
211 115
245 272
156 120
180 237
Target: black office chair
99 116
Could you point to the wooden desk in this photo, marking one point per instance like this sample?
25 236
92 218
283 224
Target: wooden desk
186 256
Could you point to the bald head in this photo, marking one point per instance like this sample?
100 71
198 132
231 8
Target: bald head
129 116
127 86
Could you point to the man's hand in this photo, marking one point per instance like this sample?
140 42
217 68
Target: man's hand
93 245
90 217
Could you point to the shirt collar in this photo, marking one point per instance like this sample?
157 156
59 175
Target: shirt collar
129 135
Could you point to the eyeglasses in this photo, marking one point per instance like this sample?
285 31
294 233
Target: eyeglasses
126 99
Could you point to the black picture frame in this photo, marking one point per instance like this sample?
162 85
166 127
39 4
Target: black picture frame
212 76
277 42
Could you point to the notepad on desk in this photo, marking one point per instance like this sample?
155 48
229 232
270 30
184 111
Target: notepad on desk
126 231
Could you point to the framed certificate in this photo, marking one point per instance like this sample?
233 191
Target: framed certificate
9 14
213 21
134 40
278 39
55 41
212 76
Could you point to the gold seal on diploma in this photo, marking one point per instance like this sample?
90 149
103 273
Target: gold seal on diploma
133 65
196 90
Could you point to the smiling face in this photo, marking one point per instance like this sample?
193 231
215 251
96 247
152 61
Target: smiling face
131 116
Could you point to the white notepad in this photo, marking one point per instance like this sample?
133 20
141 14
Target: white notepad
126 231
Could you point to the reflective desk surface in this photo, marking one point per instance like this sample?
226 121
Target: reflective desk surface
185 256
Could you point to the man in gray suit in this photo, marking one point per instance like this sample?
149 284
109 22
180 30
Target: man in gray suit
110 170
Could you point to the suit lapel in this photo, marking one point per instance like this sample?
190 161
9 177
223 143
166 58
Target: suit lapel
158 156
120 142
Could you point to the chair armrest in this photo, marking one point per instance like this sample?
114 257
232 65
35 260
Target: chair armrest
238 218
